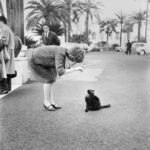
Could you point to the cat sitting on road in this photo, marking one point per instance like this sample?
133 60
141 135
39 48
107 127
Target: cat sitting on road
93 102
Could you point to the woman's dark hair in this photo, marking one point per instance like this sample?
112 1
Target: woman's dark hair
3 19
77 53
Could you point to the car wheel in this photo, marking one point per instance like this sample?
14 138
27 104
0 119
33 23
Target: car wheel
142 52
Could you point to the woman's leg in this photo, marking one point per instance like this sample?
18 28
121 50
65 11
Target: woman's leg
51 98
51 93
48 94
46 89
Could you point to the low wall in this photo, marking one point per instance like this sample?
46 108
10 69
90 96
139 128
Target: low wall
21 66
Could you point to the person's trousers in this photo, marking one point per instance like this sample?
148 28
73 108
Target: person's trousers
5 84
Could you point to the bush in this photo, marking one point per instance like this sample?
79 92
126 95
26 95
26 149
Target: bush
29 41
103 43
78 38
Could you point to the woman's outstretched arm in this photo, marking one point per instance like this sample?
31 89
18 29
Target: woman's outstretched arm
60 65
79 68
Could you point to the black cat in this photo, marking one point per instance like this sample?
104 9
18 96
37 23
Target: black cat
93 102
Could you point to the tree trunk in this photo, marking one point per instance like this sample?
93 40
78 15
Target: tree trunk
69 23
87 24
121 35
65 31
139 31
87 29
15 16
147 17
107 38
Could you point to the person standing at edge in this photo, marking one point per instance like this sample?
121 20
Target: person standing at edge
49 37
47 63
9 42
129 46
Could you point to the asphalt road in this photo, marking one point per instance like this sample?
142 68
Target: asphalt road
120 80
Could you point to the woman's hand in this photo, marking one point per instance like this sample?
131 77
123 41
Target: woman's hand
80 68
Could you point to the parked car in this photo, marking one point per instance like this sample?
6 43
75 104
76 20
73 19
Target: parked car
136 45
95 47
143 49
124 48
119 49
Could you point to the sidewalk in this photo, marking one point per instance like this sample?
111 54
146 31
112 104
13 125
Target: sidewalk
13 88
21 65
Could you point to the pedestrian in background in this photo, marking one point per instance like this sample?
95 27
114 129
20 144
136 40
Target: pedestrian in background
47 63
128 46
49 37
7 69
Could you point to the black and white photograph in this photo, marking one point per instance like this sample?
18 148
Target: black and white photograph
74 74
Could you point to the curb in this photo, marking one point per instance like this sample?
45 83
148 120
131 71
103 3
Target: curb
13 88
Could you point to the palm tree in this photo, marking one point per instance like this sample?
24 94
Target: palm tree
128 27
108 26
121 18
68 8
49 11
66 5
137 18
75 10
71 6
29 41
91 9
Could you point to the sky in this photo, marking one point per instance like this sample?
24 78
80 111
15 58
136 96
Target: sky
115 6
110 7
126 6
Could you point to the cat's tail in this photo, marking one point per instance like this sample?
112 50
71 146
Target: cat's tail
105 106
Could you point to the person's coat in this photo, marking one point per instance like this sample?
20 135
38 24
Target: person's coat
52 38
10 44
